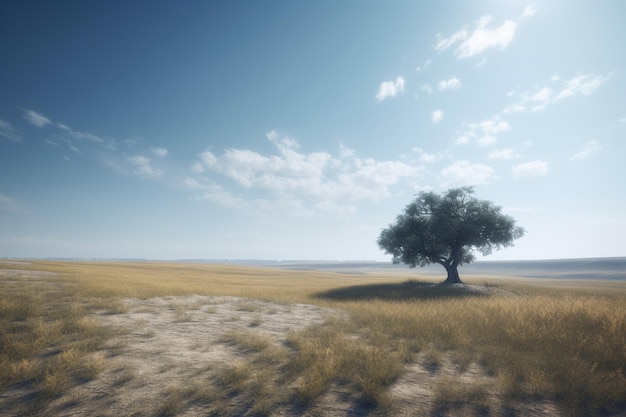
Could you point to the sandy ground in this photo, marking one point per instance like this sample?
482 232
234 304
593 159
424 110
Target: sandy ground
170 341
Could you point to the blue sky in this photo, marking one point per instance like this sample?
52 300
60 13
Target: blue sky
300 129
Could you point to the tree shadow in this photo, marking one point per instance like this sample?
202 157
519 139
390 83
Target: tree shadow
404 291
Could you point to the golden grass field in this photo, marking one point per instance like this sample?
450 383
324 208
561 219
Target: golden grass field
390 344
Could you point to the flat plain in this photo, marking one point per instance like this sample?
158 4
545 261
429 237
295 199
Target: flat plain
190 339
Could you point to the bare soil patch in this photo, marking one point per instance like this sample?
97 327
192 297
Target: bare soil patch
176 341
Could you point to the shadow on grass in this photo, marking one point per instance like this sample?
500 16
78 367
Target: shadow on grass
408 290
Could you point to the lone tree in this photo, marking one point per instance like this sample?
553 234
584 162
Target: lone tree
444 228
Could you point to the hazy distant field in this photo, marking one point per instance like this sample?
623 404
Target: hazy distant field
587 268
145 339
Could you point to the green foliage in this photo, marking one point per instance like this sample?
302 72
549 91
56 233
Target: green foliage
444 229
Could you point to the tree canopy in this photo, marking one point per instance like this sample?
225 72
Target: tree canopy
444 229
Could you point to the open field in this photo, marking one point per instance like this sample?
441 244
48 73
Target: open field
164 339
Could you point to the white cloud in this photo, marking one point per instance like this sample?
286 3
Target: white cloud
372 179
39 120
494 126
543 96
487 140
436 116
319 176
486 131
452 84
35 118
483 38
514 108
423 67
8 204
582 84
530 169
197 167
209 191
71 146
143 167
160 152
587 150
466 173
502 154
622 120
345 152
427 88
445 43
529 11
390 89
425 157
8 132
90 137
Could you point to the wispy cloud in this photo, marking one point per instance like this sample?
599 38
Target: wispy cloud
68 133
390 89
487 140
554 91
208 190
423 67
36 119
462 140
481 39
466 173
587 150
71 146
451 84
436 116
143 167
493 125
529 11
8 132
160 152
90 137
485 132
10 205
502 154
530 169
319 176
543 95
425 157
582 84
445 43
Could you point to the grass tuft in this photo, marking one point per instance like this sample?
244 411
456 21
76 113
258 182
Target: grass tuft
247 341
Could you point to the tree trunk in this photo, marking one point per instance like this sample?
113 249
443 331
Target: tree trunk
453 275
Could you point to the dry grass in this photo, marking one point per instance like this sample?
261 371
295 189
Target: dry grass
462 398
46 339
566 344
